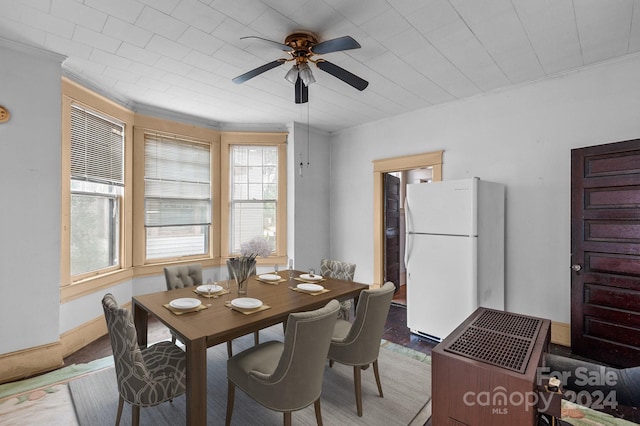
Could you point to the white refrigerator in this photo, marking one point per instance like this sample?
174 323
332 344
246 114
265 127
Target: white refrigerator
454 253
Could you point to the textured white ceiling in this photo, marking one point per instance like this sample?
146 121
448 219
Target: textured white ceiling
180 56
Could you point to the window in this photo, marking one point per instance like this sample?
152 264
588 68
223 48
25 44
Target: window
254 194
154 192
97 187
177 197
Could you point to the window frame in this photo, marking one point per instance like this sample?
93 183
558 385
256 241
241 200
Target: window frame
81 284
255 139
142 133
112 198
241 204
151 125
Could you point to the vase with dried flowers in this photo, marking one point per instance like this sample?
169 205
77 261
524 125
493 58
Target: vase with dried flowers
241 268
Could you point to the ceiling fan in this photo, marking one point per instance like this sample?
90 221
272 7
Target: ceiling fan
303 46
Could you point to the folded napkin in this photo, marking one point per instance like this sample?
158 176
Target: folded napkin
313 293
247 311
184 311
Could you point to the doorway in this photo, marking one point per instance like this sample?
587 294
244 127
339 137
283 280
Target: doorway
394 225
432 160
393 199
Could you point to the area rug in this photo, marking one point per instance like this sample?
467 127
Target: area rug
49 406
406 383
44 399
60 375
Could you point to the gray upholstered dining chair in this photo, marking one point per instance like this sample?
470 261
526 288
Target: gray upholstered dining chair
181 276
286 376
145 377
358 344
341 271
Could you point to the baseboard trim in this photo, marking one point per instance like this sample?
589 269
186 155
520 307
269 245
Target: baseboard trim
561 333
28 362
40 359
81 336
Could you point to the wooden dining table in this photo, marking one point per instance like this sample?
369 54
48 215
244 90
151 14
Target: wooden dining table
218 323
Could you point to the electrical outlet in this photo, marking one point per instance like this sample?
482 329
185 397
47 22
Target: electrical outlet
4 114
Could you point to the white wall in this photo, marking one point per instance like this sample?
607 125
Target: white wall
311 197
521 137
30 206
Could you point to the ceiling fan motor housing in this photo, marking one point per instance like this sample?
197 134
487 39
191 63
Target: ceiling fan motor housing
301 40
301 43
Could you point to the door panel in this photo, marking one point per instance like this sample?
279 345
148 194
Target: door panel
392 229
605 242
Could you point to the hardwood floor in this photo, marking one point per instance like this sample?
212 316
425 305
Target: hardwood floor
101 347
396 331
400 297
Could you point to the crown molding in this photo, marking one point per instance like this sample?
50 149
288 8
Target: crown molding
31 50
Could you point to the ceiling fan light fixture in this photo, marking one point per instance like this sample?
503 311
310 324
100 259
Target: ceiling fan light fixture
303 47
305 74
292 75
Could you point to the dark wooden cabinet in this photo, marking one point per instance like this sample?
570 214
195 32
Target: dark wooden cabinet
486 371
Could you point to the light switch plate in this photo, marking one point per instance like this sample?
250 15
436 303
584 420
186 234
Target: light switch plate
4 114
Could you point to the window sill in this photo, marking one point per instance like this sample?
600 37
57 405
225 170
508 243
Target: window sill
102 282
94 284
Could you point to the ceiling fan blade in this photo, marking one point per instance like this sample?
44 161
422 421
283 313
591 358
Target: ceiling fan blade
257 71
279 45
335 45
302 92
342 74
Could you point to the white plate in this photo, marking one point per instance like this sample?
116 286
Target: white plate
310 287
246 303
185 303
308 277
203 288
269 277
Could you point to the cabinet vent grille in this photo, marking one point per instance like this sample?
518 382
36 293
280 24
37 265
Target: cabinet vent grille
498 338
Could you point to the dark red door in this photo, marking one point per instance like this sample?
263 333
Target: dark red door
392 229
605 246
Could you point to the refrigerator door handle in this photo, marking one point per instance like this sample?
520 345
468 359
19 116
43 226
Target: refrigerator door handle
407 224
407 251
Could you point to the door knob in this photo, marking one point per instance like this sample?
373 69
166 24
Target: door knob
577 267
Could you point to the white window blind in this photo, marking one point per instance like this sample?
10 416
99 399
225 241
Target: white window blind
177 196
254 194
97 184
97 148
